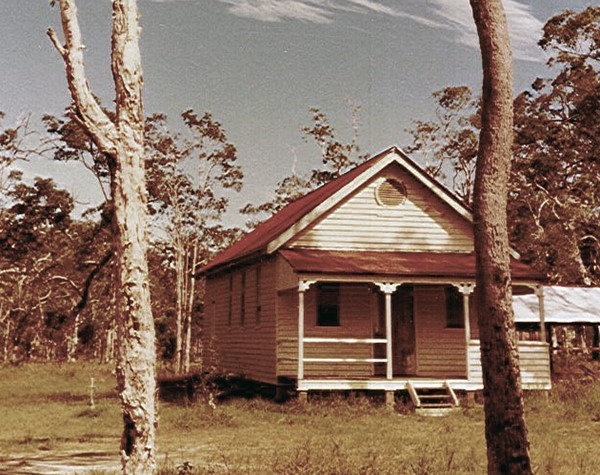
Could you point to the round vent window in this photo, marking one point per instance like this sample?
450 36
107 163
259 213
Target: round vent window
391 193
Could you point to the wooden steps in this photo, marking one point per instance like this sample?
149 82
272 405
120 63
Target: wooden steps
433 400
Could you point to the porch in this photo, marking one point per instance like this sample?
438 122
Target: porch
412 342
535 375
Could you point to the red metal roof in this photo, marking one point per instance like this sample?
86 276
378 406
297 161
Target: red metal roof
256 242
397 264
264 233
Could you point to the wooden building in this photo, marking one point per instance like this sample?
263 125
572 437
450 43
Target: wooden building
365 283
572 316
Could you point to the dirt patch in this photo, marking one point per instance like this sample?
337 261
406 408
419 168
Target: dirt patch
60 463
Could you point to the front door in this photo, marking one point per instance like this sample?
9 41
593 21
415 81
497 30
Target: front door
403 332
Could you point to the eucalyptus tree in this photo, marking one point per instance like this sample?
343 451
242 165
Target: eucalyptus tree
337 157
554 192
447 145
36 236
121 139
505 429
189 179
555 197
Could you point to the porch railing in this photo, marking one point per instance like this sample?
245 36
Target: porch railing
369 341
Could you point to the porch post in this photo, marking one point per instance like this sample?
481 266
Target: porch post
303 286
388 289
389 373
466 290
539 291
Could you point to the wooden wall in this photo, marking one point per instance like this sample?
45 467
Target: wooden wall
441 351
246 348
357 319
422 223
534 359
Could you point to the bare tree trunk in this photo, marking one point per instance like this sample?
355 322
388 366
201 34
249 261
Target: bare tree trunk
506 433
190 308
74 340
179 269
122 140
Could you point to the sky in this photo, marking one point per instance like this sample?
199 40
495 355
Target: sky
259 65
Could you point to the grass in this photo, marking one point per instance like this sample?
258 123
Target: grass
45 411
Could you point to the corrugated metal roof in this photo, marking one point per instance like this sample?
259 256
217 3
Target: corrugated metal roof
264 233
256 242
397 264
562 305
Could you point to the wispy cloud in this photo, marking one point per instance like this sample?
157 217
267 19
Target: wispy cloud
316 11
525 29
452 15
278 10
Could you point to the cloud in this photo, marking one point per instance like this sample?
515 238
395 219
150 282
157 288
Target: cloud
525 30
315 11
452 15
278 10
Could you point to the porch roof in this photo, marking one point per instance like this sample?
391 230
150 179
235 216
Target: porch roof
397 264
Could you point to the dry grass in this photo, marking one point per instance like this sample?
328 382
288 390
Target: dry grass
45 411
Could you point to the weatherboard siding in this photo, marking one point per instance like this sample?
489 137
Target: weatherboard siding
286 277
243 347
441 351
534 360
356 321
422 223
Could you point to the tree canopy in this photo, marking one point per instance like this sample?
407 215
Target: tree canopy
554 206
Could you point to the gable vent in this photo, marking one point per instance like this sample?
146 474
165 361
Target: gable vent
391 193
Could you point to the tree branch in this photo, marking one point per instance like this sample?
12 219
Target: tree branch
57 44
85 294
93 118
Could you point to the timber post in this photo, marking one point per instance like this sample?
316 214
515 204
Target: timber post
466 290
303 397
389 400
303 286
388 289
539 291
92 403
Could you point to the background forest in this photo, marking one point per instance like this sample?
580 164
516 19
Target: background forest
56 260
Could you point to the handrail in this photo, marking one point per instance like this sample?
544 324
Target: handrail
343 340
452 393
345 360
413 394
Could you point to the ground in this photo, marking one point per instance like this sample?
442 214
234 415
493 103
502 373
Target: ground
47 426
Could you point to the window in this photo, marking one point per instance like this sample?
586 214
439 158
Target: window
328 305
257 291
243 299
455 315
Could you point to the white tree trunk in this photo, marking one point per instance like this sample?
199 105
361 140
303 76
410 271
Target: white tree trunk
190 308
122 141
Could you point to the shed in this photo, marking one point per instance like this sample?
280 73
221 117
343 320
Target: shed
572 318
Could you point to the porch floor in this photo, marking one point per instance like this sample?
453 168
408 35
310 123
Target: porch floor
399 383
